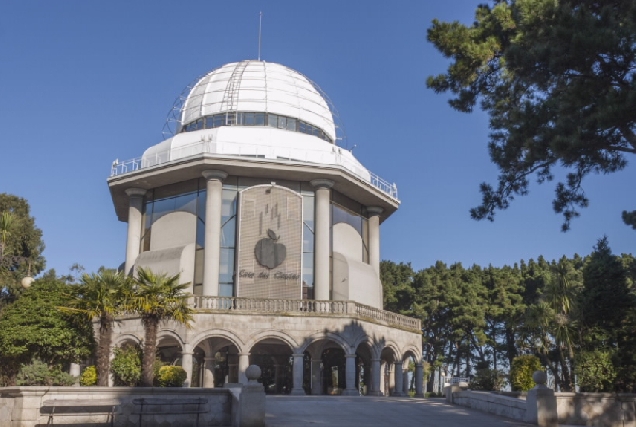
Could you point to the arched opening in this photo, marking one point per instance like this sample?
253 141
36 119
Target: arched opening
215 363
169 350
409 360
387 380
334 379
274 357
363 369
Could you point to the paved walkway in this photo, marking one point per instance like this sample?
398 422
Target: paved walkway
339 411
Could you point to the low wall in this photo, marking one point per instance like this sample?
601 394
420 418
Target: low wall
492 403
23 406
581 409
597 409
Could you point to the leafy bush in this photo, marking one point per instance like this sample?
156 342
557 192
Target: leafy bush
487 380
171 376
126 366
595 371
89 376
523 367
39 373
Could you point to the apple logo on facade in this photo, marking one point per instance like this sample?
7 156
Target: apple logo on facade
269 253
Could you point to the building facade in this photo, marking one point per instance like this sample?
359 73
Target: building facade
276 229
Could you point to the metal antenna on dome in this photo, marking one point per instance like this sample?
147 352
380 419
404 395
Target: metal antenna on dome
260 26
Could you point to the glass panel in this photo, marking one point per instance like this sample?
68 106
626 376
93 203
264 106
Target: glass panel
161 208
198 289
201 205
248 119
198 266
259 119
186 203
226 290
365 240
308 271
291 124
272 120
228 234
228 208
209 122
339 214
308 239
219 120
200 234
231 118
282 122
199 124
226 265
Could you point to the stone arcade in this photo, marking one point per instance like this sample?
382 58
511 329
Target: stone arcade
277 230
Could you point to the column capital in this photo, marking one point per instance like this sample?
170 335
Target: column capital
419 364
184 353
374 210
298 355
135 192
213 174
350 355
322 183
243 354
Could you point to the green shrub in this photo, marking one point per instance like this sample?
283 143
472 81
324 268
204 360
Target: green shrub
126 366
39 373
487 380
521 371
171 376
595 371
89 376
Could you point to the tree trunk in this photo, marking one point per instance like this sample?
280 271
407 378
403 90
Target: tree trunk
150 350
103 350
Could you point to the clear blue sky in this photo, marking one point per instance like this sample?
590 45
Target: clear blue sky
83 83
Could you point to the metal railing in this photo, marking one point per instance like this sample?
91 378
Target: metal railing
253 151
307 307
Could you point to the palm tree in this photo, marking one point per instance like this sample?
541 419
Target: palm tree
157 297
101 296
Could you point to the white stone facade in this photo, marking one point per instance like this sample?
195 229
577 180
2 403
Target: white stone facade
281 251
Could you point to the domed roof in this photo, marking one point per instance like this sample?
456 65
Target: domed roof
259 86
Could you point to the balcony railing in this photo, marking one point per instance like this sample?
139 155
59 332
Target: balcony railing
253 151
305 307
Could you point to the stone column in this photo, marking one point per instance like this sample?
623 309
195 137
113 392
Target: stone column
383 366
135 205
208 372
243 363
374 248
350 376
212 252
321 238
74 370
297 388
376 378
419 380
405 383
398 379
316 377
186 364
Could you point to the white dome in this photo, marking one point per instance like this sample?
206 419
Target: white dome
262 87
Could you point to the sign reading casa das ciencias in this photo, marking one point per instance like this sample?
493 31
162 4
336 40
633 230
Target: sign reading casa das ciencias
270 243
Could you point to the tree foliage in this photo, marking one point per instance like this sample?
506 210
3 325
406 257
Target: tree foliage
21 246
558 80
521 372
478 320
32 327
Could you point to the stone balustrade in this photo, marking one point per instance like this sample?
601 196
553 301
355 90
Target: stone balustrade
306 307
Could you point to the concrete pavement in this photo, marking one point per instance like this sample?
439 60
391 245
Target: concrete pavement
368 411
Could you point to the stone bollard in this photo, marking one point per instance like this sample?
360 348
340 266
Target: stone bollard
541 405
252 400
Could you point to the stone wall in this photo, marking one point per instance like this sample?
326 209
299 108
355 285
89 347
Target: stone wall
24 406
492 403
597 409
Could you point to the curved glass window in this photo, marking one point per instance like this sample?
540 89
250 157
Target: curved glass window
241 118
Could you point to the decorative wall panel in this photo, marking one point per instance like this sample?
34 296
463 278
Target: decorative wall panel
270 243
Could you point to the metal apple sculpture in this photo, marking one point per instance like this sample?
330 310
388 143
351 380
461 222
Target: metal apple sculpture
269 253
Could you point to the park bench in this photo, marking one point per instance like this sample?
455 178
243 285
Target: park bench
85 406
155 406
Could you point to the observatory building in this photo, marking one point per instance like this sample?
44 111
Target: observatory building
276 229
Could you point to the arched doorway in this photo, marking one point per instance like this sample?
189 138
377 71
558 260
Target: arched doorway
215 363
363 368
274 357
